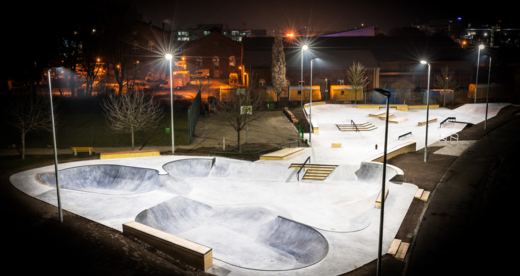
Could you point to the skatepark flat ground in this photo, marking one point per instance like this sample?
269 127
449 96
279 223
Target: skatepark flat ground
357 247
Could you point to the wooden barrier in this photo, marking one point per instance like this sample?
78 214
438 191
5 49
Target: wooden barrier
336 145
379 199
75 150
194 254
129 154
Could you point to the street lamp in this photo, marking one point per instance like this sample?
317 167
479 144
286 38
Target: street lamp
304 48
383 191
480 47
311 129
487 96
427 110
169 57
54 144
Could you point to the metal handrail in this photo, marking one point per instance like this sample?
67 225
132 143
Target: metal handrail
447 119
354 125
303 165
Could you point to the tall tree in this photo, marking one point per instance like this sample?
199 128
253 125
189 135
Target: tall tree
131 112
28 112
279 66
445 81
357 77
241 108
402 88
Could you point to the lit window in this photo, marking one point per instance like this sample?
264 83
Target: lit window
198 61
232 61
300 83
239 38
215 62
207 32
299 92
150 45
224 33
341 81
135 48
179 33
235 32
262 82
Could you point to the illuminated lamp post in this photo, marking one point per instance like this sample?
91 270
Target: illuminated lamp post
169 57
480 47
383 191
487 96
311 129
56 172
304 48
427 110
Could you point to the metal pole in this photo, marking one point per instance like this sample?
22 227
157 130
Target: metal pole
92 135
427 115
310 108
171 104
247 129
383 192
476 81
487 96
301 83
55 149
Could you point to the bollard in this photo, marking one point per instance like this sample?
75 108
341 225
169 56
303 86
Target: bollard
302 133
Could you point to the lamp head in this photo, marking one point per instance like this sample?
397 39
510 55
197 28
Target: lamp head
314 58
382 91
168 56
481 46
424 62
305 47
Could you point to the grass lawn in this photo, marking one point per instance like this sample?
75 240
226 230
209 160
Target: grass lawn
91 130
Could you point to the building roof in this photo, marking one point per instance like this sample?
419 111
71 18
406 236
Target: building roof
333 59
383 48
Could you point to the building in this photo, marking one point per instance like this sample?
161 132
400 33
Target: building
203 30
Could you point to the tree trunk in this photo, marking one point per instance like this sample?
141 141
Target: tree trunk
23 144
238 143
133 148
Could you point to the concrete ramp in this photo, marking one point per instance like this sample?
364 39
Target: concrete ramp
373 172
105 179
480 109
252 237
188 168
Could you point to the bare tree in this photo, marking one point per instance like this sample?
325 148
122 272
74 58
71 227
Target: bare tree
29 112
445 81
279 66
357 77
402 88
242 107
131 112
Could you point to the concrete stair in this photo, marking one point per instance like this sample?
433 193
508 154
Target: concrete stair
360 127
315 172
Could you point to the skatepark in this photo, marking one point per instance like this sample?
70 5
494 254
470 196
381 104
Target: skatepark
260 217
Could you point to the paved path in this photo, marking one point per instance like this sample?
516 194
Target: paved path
444 245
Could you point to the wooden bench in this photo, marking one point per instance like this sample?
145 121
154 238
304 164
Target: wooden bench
429 122
75 150
194 254
129 154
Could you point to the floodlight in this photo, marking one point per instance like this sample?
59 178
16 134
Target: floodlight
481 46
424 62
305 47
168 56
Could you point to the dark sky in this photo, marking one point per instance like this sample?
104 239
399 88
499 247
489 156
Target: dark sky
324 15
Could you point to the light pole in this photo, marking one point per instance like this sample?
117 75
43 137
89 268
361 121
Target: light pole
487 96
54 144
383 191
480 47
311 129
305 47
427 110
169 57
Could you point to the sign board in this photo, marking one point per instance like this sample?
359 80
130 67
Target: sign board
246 110
241 91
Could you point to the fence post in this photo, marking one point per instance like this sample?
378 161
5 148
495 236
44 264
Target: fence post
68 143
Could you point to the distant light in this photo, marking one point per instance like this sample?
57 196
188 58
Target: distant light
182 58
362 25
98 60
168 56
460 18
485 34
481 46
93 30
305 47
137 61
464 42
424 62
